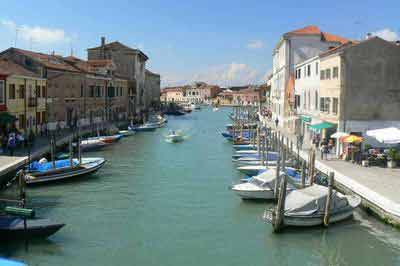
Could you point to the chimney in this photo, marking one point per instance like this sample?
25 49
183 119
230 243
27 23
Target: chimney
369 35
103 41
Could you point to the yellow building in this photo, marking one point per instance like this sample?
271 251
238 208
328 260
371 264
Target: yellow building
25 96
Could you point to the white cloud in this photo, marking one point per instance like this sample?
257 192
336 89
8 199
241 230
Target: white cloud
233 74
255 44
37 34
387 34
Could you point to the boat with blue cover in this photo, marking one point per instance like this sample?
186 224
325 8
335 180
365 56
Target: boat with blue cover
8 262
44 172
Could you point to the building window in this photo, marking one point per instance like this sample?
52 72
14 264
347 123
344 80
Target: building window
11 91
44 92
316 68
2 96
335 105
335 72
328 73
91 91
316 100
309 70
22 121
21 92
82 90
37 91
299 73
322 74
325 104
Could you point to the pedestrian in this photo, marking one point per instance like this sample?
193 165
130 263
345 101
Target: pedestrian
322 150
276 122
11 144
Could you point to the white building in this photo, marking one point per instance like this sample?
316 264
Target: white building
293 48
307 84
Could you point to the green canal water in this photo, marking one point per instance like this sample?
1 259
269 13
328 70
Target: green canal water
157 203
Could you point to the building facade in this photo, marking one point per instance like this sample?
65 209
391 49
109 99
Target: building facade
292 48
152 84
360 86
23 95
130 64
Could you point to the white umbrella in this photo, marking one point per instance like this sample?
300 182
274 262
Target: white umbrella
390 135
338 135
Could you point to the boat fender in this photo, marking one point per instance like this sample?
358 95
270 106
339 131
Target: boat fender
21 212
43 160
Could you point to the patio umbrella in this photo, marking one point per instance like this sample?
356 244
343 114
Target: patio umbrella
390 135
339 135
351 139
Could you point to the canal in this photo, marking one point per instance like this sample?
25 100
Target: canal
157 203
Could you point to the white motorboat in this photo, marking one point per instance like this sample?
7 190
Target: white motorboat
215 109
195 106
126 133
306 207
259 187
175 136
252 170
92 144
244 147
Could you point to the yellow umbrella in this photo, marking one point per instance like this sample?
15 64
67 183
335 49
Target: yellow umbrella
352 139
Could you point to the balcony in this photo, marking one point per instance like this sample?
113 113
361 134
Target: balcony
32 102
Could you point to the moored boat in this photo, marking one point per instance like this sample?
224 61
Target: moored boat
175 136
259 187
93 144
62 169
12 228
306 207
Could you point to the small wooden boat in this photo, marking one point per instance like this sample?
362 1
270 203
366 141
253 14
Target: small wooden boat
306 207
252 170
259 187
12 228
46 172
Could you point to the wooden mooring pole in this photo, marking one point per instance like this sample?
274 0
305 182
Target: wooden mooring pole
280 208
303 174
329 199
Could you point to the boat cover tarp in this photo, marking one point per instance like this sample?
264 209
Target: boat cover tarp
44 167
312 200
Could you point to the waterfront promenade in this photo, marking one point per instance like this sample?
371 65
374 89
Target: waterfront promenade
378 187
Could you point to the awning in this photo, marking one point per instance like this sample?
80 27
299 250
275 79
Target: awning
390 135
6 118
322 125
306 119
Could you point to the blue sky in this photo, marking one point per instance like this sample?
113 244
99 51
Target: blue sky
223 42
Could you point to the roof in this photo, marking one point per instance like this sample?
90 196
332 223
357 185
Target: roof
315 30
50 61
8 67
171 89
245 91
151 73
118 45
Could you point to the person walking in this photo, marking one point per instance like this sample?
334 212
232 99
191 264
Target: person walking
276 122
11 144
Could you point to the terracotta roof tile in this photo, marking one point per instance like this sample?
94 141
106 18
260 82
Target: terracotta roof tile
49 61
315 30
8 67
307 30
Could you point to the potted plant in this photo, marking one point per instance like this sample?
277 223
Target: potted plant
392 156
